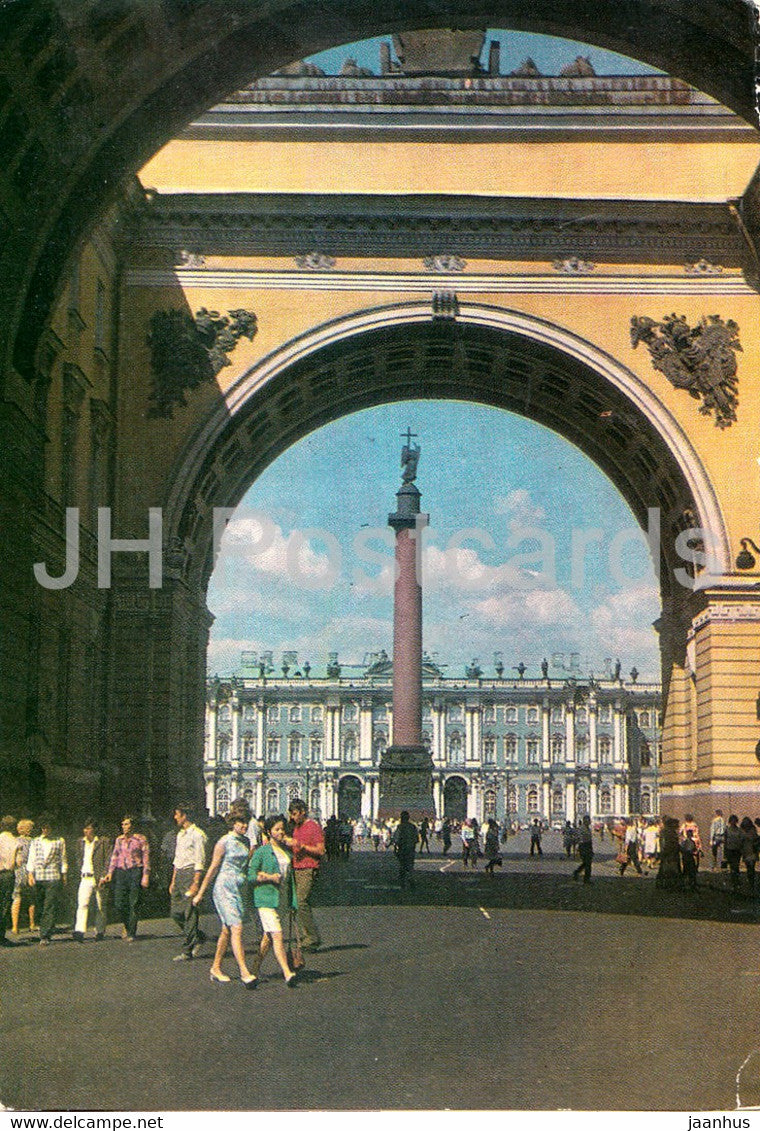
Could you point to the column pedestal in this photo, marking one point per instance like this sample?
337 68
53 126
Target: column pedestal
406 782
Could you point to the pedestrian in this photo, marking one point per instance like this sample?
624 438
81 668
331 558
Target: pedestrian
23 892
689 860
689 823
424 830
446 835
93 853
631 848
187 872
535 837
229 870
47 868
669 873
569 839
466 835
650 844
8 853
129 871
585 843
404 843
717 836
733 841
491 846
274 892
749 850
307 844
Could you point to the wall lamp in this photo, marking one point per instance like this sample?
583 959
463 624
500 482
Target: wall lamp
744 559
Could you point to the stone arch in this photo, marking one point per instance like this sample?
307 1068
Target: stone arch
488 355
72 136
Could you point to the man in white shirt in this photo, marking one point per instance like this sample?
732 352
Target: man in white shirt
187 873
8 847
93 856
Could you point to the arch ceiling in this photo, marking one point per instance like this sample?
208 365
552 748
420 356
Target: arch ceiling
89 89
465 360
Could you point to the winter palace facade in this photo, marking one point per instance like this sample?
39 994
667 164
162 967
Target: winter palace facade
554 746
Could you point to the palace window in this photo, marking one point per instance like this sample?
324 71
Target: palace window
349 747
605 750
558 748
605 713
224 750
455 748
294 748
315 748
532 749
489 748
249 713
512 798
558 714
379 744
249 748
644 720
222 800
273 714
581 751
646 802
224 714
294 715
273 799
532 799
489 714
532 715
316 714
645 753
605 800
248 797
349 712
273 748
581 802
489 803
455 712
581 716
511 715
510 747
558 800
294 791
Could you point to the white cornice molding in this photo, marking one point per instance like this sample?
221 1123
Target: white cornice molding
426 283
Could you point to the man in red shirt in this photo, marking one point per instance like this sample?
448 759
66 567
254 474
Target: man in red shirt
308 846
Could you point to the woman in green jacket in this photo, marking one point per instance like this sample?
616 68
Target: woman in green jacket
274 893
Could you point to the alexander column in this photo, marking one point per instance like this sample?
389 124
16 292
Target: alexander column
406 766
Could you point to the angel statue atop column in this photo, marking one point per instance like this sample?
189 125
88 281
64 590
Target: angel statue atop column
410 456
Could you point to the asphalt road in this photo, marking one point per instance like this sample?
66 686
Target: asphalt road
527 991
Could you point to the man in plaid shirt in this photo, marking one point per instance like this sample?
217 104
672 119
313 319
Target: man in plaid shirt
47 868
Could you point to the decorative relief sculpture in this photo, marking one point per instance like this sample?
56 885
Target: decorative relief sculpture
701 360
703 267
185 351
191 259
573 266
315 261
444 263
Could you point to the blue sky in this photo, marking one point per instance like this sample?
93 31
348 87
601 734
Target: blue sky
291 575
549 53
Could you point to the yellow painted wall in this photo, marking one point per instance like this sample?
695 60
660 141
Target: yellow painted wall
636 170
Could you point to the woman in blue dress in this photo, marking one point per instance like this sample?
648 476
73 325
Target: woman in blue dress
229 865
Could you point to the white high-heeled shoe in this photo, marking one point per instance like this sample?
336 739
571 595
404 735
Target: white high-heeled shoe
218 977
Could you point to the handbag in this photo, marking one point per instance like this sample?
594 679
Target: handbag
295 953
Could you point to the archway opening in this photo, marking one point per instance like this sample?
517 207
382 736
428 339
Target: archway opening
455 799
349 799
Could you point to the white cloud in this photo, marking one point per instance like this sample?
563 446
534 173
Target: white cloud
258 542
520 509
536 607
622 623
